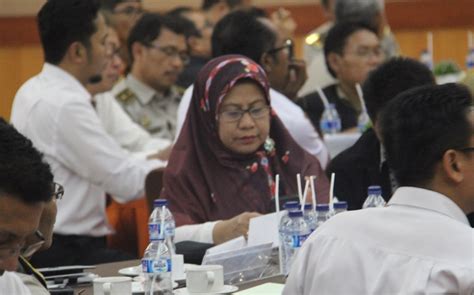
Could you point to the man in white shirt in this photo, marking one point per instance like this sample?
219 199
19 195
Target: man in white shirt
26 185
421 242
54 110
264 44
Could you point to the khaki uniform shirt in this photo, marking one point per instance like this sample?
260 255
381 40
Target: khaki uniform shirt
155 112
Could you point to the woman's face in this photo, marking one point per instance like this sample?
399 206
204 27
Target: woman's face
244 118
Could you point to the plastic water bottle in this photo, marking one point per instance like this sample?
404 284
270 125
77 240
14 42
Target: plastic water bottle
310 216
363 121
426 59
374 198
156 267
282 228
155 226
323 213
340 207
296 232
470 60
330 120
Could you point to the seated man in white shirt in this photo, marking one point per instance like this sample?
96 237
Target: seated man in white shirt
421 242
242 32
54 110
26 185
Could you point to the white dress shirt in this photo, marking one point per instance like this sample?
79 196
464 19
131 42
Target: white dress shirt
421 243
10 283
54 110
291 115
127 133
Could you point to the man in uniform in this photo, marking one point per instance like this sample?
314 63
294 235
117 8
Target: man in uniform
158 51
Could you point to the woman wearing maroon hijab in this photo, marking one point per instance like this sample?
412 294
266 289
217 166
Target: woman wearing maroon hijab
227 155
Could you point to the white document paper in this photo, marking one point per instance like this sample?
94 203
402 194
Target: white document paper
264 229
231 245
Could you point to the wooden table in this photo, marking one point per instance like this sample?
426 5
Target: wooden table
111 269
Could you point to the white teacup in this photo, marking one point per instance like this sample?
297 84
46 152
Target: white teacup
204 278
113 286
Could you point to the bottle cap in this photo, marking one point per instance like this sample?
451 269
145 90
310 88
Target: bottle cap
340 205
322 207
375 190
296 213
292 205
160 203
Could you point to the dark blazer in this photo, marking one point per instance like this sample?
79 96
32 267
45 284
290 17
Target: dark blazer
357 168
314 108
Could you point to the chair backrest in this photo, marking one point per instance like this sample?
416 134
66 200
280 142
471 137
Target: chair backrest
153 186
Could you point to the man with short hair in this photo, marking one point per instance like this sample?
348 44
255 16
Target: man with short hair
158 51
364 163
351 51
55 111
26 185
198 39
264 44
215 10
421 242
371 12
122 16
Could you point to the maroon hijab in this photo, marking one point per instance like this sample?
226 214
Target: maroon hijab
205 181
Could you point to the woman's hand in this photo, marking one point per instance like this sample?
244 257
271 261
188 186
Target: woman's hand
232 228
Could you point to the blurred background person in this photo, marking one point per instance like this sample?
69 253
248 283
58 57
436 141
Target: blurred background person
122 16
351 51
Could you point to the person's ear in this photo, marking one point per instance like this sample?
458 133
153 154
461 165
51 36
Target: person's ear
453 166
267 61
76 53
138 51
335 62
194 44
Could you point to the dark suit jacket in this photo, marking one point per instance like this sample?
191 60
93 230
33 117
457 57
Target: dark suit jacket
357 168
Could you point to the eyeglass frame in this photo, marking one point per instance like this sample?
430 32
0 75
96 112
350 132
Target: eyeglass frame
129 11
58 191
242 112
288 44
366 54
184 59
467 149
20 250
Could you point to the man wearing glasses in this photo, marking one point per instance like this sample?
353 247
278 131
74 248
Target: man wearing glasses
25 189
352 51
122 15
158 51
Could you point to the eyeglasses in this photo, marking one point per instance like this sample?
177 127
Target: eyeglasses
25 251
58 191
171 52
130 11
288 45
366 52
466 149
236 115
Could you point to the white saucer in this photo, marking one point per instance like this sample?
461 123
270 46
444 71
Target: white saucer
227 289
137 287
132 271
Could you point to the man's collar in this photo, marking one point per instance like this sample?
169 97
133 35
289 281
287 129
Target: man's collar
144 92
429 200
59 73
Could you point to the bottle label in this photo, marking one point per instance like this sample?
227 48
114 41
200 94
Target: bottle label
298 240
169 230
154 231
160 265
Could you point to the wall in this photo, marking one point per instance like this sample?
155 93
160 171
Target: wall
449 20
